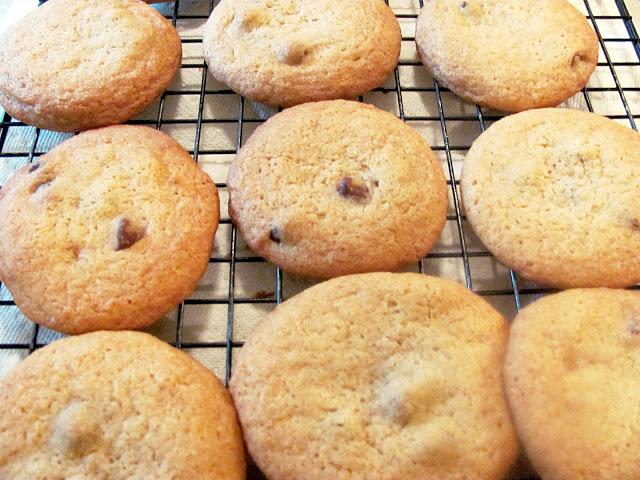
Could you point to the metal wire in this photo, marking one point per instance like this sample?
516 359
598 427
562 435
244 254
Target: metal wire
445 149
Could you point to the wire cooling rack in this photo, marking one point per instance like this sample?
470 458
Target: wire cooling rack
212 122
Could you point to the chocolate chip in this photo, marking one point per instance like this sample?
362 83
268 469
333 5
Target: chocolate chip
349 189
635 224
34 166
127 234
464 5
274 235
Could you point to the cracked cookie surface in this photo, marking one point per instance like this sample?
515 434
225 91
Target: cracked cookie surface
553 194
287 52
116 406
379 375
337 187
109 230
509 55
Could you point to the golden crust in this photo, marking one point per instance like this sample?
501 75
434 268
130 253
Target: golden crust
553 194
116 405
571 377
286 182
510 55
284 52
60 225
71 66
380 375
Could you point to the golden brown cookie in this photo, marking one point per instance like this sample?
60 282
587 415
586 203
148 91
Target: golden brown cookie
381 375
510 55
572 378
337 187
286 52
553 194
72 65
116 405
109 230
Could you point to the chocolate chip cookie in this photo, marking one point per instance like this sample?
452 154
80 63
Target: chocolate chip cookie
553 194
118 406
509 55
72 65
109 230
381 375
286 52
572 377
337 187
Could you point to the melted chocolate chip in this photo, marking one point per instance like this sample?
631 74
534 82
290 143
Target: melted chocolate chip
127 234
348 189
274 235
34 166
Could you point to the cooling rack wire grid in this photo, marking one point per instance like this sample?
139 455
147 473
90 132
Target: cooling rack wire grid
212 122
